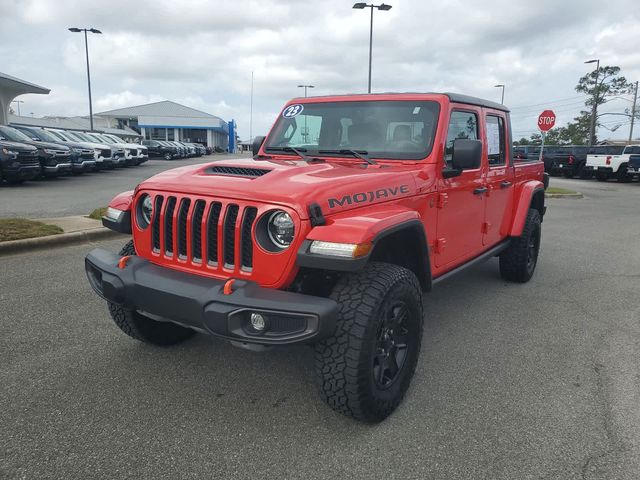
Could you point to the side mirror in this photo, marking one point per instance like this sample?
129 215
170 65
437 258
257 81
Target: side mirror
257 143
467 154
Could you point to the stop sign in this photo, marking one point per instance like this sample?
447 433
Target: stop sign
546 120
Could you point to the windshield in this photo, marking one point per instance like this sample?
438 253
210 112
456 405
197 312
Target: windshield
633 149
8 133
42 135
63 136
382 129
101 138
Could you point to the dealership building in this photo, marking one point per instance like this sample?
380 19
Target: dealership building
167 120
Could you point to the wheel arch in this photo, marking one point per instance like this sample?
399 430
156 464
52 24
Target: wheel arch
531 196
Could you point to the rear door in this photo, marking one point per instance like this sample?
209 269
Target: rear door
460 218
499 197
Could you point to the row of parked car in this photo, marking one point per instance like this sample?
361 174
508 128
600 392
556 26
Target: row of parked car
600 161
27 153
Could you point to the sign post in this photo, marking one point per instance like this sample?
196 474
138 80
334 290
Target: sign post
546 121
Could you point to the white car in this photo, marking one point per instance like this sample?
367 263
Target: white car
608 166
139 152
103 153
123 154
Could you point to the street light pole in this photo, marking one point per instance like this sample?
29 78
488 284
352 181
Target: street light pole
305 88
86 51
384 7
18 102
633 113
499 86
306 130
594 108
251 111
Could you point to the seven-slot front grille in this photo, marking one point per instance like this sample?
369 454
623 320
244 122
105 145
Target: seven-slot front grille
198 231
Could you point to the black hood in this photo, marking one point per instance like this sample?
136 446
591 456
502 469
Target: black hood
20 147
51 145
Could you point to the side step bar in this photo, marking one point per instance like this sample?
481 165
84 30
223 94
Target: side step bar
495 251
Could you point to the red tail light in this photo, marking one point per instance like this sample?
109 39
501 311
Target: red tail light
608 160
571 159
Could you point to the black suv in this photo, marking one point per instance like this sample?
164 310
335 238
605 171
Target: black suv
160 149
18 162
82 157
54 159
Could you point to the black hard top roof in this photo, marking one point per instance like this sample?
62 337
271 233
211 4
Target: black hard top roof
453 97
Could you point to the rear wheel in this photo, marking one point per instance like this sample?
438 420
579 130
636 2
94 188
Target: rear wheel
568 173
364 369
143 328
622 175
519 260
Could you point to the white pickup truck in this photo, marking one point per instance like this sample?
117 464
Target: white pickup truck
609 166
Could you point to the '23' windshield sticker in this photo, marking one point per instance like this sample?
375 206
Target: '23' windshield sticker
292 110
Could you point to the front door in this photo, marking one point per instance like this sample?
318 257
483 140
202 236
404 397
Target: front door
461 201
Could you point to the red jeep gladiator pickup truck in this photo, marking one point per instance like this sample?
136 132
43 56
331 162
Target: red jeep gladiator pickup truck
350 209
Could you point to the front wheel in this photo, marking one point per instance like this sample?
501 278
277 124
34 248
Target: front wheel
364 369
168 156
143 328
519 260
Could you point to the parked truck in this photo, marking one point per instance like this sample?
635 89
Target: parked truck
606 166
351 208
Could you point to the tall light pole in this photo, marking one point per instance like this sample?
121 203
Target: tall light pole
86 51
594 109
305 88
633 113
384 7
18 102
251 112
499 86
306 130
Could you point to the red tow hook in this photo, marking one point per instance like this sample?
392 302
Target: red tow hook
228 286
123 262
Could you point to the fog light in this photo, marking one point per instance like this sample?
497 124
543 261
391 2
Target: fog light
257 322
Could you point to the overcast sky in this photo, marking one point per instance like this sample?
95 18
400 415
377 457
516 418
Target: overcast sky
201 53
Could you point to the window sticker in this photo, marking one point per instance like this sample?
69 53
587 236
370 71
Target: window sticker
292 110
493 138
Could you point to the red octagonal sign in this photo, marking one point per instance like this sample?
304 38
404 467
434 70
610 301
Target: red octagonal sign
546 120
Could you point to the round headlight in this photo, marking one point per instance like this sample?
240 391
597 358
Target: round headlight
147 208
144 211
281 228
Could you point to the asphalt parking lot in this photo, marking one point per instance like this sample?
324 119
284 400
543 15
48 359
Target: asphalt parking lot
514 381
79 195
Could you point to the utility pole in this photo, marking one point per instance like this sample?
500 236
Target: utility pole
633 113
594 108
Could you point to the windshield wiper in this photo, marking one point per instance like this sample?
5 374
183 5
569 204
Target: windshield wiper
362 154
297 151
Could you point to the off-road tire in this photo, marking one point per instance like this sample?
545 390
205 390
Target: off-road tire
345 362
622 176
584 174
602 177
568 173
143 328
515 261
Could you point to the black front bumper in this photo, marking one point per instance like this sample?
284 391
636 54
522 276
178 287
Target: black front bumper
200 303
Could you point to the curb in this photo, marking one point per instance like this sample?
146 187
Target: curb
563 195
38 243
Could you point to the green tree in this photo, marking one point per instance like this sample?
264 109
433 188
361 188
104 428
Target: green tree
610 84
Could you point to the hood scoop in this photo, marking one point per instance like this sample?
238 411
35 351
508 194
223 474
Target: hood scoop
236 171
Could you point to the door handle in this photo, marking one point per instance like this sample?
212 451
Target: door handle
505 184
480 190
